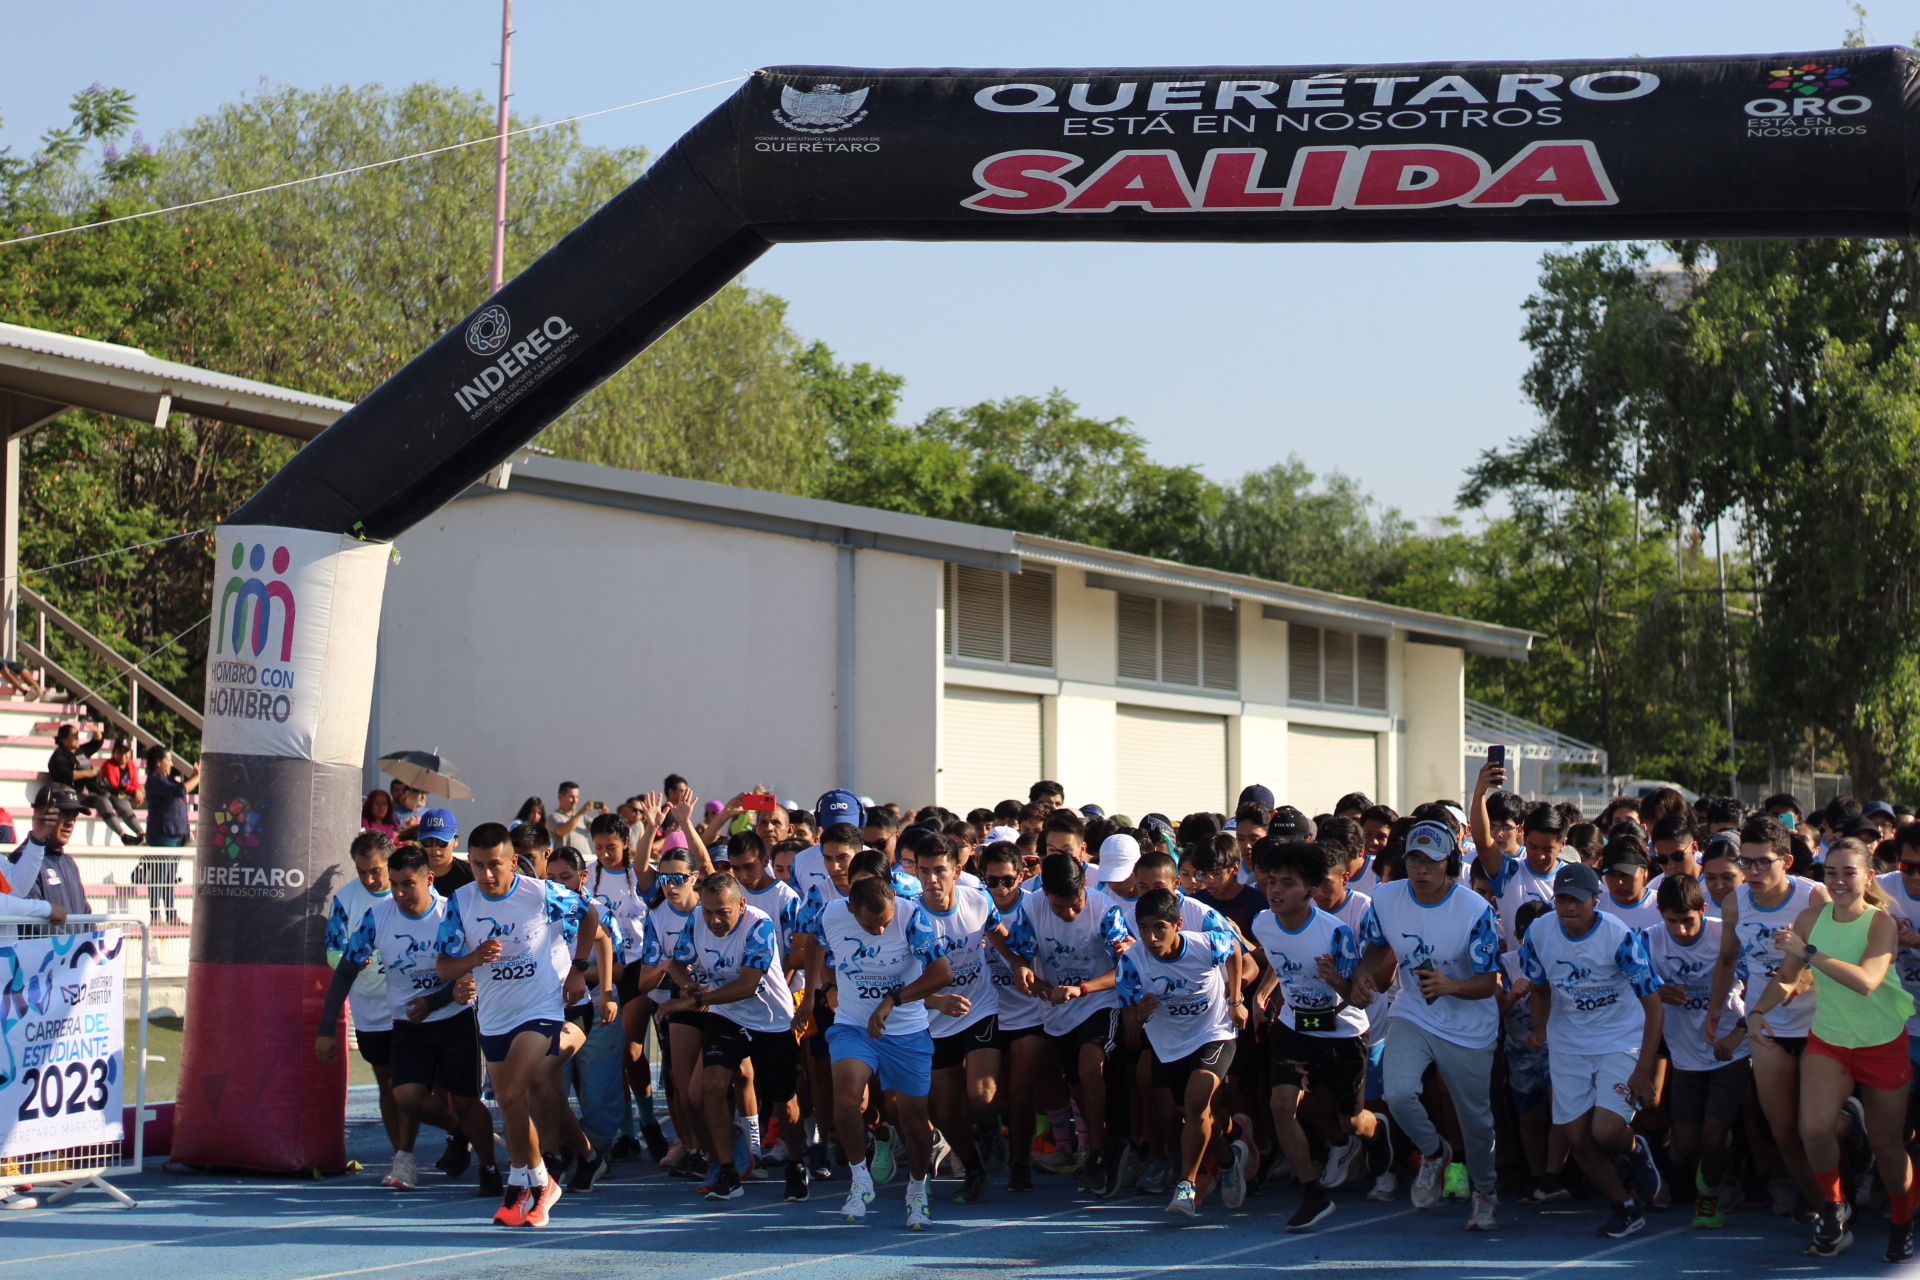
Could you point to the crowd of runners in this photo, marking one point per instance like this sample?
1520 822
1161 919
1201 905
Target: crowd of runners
1667 1000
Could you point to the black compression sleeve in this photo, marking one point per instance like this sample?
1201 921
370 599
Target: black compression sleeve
344 974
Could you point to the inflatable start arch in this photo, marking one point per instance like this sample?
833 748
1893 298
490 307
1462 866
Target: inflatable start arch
1802 144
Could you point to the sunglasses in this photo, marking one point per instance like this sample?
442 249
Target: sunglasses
1000 882
1909 868
1668 859
674 879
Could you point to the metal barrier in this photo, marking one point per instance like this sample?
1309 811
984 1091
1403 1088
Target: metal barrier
72 1169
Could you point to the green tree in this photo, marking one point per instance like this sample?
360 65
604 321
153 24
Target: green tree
1276 524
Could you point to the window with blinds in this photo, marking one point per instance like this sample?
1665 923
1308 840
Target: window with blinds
1333 668
1000 618
1178 643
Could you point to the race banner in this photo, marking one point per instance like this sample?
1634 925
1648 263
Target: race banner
62 1021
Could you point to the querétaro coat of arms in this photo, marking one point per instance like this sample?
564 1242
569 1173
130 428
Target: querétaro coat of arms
825 108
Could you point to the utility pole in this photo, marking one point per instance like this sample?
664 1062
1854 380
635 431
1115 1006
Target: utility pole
500 156
1726 632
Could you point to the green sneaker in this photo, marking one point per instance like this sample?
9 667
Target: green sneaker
1454 1190
882 1162
1706 1214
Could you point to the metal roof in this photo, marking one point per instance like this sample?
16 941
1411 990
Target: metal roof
43 374
1487 726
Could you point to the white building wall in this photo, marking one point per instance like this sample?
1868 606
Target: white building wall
1436 716
897 684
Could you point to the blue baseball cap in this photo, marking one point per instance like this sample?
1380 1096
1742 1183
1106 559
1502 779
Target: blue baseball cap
438 824
1432 841
839 805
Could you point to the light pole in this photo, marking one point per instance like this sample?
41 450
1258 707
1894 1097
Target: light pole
500 155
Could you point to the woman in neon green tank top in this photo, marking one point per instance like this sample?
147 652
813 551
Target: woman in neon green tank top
1859 1037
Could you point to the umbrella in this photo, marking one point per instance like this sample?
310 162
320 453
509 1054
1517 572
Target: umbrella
426 771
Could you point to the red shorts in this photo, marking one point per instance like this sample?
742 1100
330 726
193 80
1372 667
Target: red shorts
1882 1066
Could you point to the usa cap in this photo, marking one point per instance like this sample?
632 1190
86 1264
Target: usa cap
438 824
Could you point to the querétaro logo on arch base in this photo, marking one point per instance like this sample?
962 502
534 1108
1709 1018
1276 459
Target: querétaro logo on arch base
1397 176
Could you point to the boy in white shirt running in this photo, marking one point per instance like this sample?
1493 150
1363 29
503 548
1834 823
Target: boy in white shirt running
1589 972
367 1003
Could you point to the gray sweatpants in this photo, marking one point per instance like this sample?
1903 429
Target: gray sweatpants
1468 1075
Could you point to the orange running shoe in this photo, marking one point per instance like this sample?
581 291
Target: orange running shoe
513 1208
543 1198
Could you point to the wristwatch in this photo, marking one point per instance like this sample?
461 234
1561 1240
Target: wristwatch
579 965
1812 951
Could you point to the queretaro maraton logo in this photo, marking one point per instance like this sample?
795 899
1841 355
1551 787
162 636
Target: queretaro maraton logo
825 108
1809 78
487 332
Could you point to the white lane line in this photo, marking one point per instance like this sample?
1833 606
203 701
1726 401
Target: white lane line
149 1244
1634 1243
934 1237
1270 1243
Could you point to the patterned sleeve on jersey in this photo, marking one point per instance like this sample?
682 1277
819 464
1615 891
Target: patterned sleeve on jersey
1634 961
1222 945
994 918
1020 939
681 948
452 939
1509 867
1371 934
1483 944
761 948
616 932
807 920
566 909
1346 951
922 939
357 949
1530 962
1113 927
337 928
790 915
1127 984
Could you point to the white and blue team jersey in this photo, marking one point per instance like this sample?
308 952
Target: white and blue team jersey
616 896
1597 982
1710 909
904 885
1691 965
1458 936
1514 885
407 947
367 1000
1294 955
1069 953
869 967
1351 911
963 931
820 895
1016 1012
639 943
810 873
1367 880
1195 915
1763 957
536 923
780 904
1519 1021
1644 914
714 960
1192 991
668 921
1905 910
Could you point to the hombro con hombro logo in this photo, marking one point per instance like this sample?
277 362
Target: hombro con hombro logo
249 686
532 353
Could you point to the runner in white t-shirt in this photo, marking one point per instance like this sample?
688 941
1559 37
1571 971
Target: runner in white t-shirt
367 1004
1019 1033
1629 891
820 878
1598 1013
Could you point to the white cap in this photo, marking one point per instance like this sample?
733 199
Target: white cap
1118 854
1009 834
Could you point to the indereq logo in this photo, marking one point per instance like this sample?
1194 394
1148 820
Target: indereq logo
488 332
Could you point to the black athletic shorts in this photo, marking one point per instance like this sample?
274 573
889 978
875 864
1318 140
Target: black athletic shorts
584 1017
376 1047
1004 1036
1099 1027
822 1019
952 1051
628 986
1215 1056
441 1054
1696 1096
1337 1064
775 1055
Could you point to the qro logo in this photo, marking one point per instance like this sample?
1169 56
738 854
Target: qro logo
1809 78
241 591
489 331
1806 101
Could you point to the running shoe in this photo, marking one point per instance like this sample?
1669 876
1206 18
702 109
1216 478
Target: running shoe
1130 1165
560 1163
797 1180
1454 1188
742 1155
1624 1221
675 1157
1481 1216
973 1186
694 1167
1647 1183
1854 1144
883 1159
1782 1192
1385 1188
544 1197
1093 1174
1830 1234
1547 1190
1315 1206
1340 1162
1732 1196
490 1184
726 1184
1706 1214
1233 1175
629 1148
1426 1183
919 1216
1380 1149
513 1207
1059 1160
656 1142
459 1154
942 1149
1900 1242
1243 1130
858 1198
405 1175
994 1151
1183 1204
819 1163
1019 1177
1156 1179
588 1172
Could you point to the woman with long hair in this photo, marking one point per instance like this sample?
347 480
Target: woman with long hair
376 813
1858 1039
532 809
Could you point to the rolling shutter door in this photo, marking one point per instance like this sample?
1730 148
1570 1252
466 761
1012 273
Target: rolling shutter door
1325 764
1170 762
989 747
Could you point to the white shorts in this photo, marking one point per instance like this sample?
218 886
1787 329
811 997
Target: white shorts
1583 1081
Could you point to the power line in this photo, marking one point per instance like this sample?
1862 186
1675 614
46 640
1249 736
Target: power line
341 173
101 555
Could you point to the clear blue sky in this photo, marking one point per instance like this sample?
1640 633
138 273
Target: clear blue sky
1394 363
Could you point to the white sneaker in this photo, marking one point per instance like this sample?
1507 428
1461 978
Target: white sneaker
1183 1204
1233 1178
1340 1163
1481 1218
942 1151
404 1176
1385 1187
858 1198
918 1218
1426 1184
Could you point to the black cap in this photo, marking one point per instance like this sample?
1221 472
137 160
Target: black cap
1255 793
1577 880
1288 823
1627 860
58 795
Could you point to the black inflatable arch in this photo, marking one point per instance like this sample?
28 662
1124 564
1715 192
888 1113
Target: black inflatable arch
1801 144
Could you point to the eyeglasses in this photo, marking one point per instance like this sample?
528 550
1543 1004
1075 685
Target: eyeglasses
1757 864
999 882
674 879
1909 868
